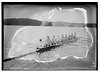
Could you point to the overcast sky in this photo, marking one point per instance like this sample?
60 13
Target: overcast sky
27 11
21 11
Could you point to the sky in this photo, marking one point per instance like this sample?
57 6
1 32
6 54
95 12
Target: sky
27 11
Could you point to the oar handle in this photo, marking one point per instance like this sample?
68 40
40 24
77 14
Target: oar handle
9 59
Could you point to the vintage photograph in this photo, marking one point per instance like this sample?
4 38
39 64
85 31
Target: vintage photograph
49 36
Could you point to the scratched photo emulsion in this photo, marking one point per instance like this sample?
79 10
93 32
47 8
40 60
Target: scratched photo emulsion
49 36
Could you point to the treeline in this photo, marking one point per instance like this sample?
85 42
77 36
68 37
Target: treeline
33 22
22 21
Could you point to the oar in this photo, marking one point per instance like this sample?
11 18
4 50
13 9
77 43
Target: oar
9 59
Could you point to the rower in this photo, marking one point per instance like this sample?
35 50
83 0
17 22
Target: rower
62 39
71 36
58 40
66 38
74 35
54 41
48 41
